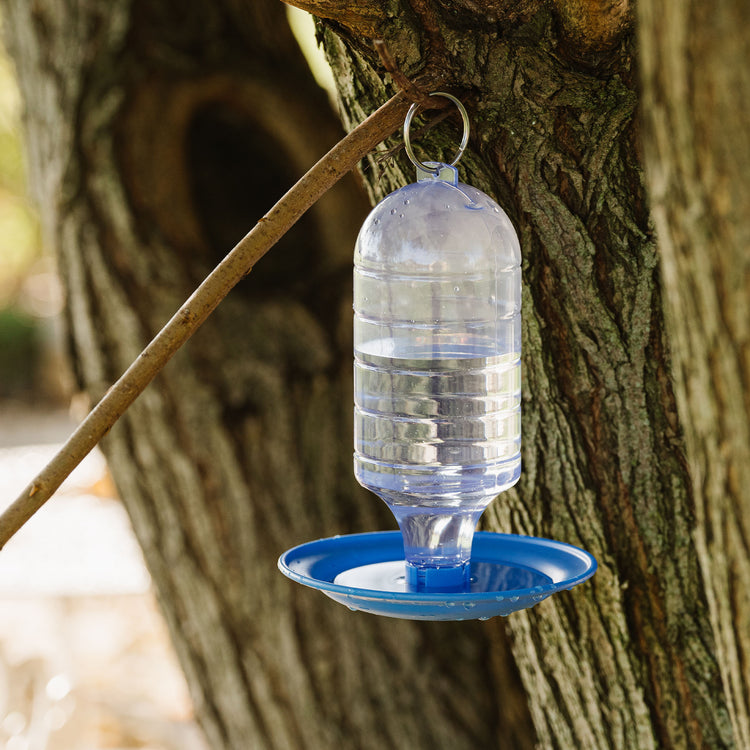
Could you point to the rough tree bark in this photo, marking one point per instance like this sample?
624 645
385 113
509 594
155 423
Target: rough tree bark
654 653
158 133
697 154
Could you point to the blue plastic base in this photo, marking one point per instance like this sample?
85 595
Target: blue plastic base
368 572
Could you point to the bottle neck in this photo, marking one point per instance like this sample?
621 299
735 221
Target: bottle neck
438 172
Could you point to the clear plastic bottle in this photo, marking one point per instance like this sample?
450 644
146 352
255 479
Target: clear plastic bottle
437 372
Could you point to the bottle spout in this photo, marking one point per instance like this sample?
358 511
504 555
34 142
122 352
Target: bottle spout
437 546
438 579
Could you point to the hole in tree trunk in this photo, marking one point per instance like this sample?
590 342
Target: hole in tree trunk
238 171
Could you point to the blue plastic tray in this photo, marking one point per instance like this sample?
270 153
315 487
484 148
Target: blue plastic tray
367 572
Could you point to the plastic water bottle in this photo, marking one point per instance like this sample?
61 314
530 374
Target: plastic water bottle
437 371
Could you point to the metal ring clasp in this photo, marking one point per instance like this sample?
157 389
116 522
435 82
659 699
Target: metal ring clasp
407 125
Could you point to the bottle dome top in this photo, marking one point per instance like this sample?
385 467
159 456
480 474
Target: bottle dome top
438 224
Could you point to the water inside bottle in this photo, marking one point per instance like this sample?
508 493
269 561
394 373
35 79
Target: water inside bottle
440 427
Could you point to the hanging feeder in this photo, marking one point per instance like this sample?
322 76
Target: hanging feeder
437 416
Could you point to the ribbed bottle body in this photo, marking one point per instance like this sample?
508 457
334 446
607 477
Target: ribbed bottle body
437 343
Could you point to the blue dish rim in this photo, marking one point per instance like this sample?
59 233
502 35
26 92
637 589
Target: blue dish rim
305 557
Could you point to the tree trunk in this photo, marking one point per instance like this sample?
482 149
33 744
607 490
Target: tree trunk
158 133
653 653
697 152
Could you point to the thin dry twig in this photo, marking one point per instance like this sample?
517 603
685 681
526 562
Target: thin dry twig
237 264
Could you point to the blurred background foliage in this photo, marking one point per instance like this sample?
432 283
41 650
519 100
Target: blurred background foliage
30 296
21 247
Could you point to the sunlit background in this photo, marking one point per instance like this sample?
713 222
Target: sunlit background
85 660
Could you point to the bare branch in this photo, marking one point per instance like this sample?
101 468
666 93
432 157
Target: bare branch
237 264
366 17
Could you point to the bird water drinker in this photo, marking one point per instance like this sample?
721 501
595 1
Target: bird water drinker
437 416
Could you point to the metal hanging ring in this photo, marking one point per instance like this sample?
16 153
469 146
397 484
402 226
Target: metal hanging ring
407 125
